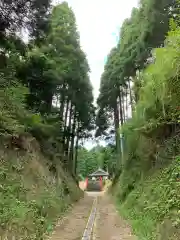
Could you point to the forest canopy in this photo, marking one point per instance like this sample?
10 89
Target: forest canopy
45 85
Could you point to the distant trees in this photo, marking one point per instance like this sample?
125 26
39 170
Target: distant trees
90 160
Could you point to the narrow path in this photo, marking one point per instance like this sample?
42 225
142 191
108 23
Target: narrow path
73 225
108 224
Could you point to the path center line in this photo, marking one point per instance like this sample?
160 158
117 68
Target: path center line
90 222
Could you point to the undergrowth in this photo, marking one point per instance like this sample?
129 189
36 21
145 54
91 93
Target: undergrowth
31 198
148 189
155 204
34 189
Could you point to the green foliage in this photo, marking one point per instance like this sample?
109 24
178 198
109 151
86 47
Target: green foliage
154 202
90 161
32 16
46 106
155 117
31 199
12 109
145 30
148 188
87 162
35 75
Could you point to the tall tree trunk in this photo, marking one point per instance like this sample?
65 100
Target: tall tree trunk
126 103
61 114
62 102
116 124
65 124
123 107
76 150
117 136
66 112
130 94
120 107
69 129
57 100
71 153
49 102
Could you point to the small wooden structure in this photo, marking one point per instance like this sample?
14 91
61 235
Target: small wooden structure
94 181
99 173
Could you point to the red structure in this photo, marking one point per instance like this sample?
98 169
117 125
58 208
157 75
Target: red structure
101 182
95 182
86 182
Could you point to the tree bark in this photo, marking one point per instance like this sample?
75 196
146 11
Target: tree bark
76 150
126 103
123 107
49 102
120 107
116 124
130 94
117 136
68 130
61 114
71 152
62 101
65 124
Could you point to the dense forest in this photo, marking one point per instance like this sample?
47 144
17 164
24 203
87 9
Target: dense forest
45 86
46 107
139 104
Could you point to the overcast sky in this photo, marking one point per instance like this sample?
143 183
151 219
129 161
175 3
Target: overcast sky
99 22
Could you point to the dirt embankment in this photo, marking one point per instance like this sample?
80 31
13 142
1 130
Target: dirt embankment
31 196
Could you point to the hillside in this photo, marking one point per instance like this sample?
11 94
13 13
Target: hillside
139 100
44 92
152 206
31 197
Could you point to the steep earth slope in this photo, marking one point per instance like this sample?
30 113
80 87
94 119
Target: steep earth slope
31 197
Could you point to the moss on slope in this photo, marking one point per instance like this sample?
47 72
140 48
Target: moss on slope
31 198
153 207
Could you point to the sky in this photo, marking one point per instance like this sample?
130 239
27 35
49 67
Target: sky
99 23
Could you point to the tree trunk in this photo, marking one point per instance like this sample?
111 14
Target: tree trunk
71 153
126 103
66 112
68 130
120 107
130 94
116 124
57 100
117 136
61 114
76 150
123 107
65 124
49 102
61 111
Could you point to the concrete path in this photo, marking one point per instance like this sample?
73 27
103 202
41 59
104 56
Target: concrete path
108 225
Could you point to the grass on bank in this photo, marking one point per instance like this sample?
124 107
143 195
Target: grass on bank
153 207
31 199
